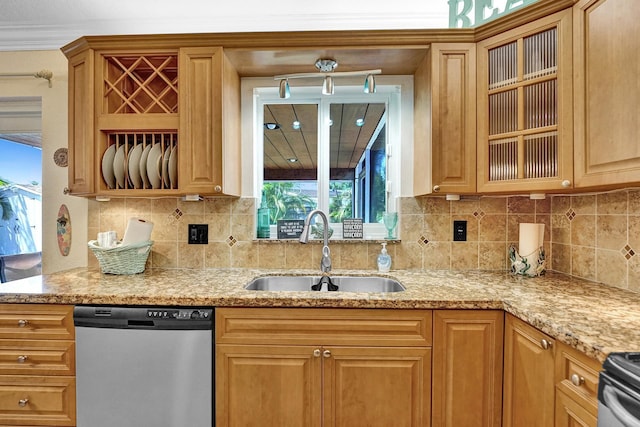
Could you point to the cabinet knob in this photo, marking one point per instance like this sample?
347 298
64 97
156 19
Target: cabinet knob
218 189
326 354
436 188
22 359
316 352
22 323
23 402
577 380
545 344
566 183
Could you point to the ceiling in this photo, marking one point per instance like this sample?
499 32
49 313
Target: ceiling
348 140
49 25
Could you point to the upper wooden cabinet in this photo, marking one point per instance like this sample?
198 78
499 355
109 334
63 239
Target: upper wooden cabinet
153 121
525 127
445 120
607 94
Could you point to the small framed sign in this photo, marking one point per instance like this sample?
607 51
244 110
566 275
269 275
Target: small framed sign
290 228
352 228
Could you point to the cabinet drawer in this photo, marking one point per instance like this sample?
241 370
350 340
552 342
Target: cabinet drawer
36 321
37 401
577 374
325 326
32 357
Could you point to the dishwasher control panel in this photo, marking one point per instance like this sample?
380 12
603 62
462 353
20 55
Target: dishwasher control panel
179 314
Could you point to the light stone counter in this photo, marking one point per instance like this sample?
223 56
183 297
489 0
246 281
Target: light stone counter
592 318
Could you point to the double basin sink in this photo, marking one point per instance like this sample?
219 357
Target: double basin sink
344 283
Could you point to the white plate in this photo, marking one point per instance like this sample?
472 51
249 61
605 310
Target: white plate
173 167
165 167
143 166
153 166
134 166
107 166
120 166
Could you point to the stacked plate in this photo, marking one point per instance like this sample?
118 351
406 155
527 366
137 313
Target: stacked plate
142 167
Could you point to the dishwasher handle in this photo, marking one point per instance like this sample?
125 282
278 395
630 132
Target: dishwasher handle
617 409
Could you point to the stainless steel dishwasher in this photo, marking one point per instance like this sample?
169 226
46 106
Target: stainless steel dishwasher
143 366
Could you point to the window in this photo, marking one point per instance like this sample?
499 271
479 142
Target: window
327 152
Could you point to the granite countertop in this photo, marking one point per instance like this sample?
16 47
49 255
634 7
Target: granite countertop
592 318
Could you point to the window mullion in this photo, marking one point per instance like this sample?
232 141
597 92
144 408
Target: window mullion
324 142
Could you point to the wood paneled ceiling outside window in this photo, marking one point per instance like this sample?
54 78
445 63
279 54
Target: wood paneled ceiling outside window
348 140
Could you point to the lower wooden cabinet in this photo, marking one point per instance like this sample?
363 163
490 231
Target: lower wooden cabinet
528 390
570 413
467 368
546 383
37 365
323 367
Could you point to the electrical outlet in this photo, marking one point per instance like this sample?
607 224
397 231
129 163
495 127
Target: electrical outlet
459 231
198 234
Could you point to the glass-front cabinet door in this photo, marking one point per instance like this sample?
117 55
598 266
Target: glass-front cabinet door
524 108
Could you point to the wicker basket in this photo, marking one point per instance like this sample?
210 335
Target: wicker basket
129 259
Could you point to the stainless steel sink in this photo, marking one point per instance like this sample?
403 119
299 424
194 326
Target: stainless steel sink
344 283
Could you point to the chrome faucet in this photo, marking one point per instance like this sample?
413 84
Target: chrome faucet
325 262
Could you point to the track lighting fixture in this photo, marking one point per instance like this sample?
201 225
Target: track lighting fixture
327 73
285 91
370 84
327 86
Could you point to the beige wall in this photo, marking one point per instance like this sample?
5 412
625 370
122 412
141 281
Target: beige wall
595 237
54 136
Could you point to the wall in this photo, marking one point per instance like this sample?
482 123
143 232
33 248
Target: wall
54 136
595 236
425 228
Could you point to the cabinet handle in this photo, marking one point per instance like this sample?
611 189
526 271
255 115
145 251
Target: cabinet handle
22 323
316 352
436 188
218 189
326 354
545 344
23 402
22 359
566 183
577 380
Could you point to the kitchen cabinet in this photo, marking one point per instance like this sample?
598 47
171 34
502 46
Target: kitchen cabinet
323 367
445 120
576 378
37 365
152 121
467 368
606 64
525 126
528 389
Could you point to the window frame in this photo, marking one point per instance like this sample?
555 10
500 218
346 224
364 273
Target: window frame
390 91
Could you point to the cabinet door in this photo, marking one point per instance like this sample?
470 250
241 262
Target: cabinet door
268 386
376 386
525 126
569 413
467 368
607 96
528 376
81 123
209 161
445 120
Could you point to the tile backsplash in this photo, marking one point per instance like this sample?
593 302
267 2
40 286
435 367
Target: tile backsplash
589 236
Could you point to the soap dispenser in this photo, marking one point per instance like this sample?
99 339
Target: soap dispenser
384 259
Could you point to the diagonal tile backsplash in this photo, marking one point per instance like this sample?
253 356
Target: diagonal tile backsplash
595 236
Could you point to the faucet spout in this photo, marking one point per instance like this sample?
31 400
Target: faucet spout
325 262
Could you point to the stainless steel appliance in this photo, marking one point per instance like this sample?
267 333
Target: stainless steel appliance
143 366
619 391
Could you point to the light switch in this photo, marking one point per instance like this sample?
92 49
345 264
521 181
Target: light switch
198 234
